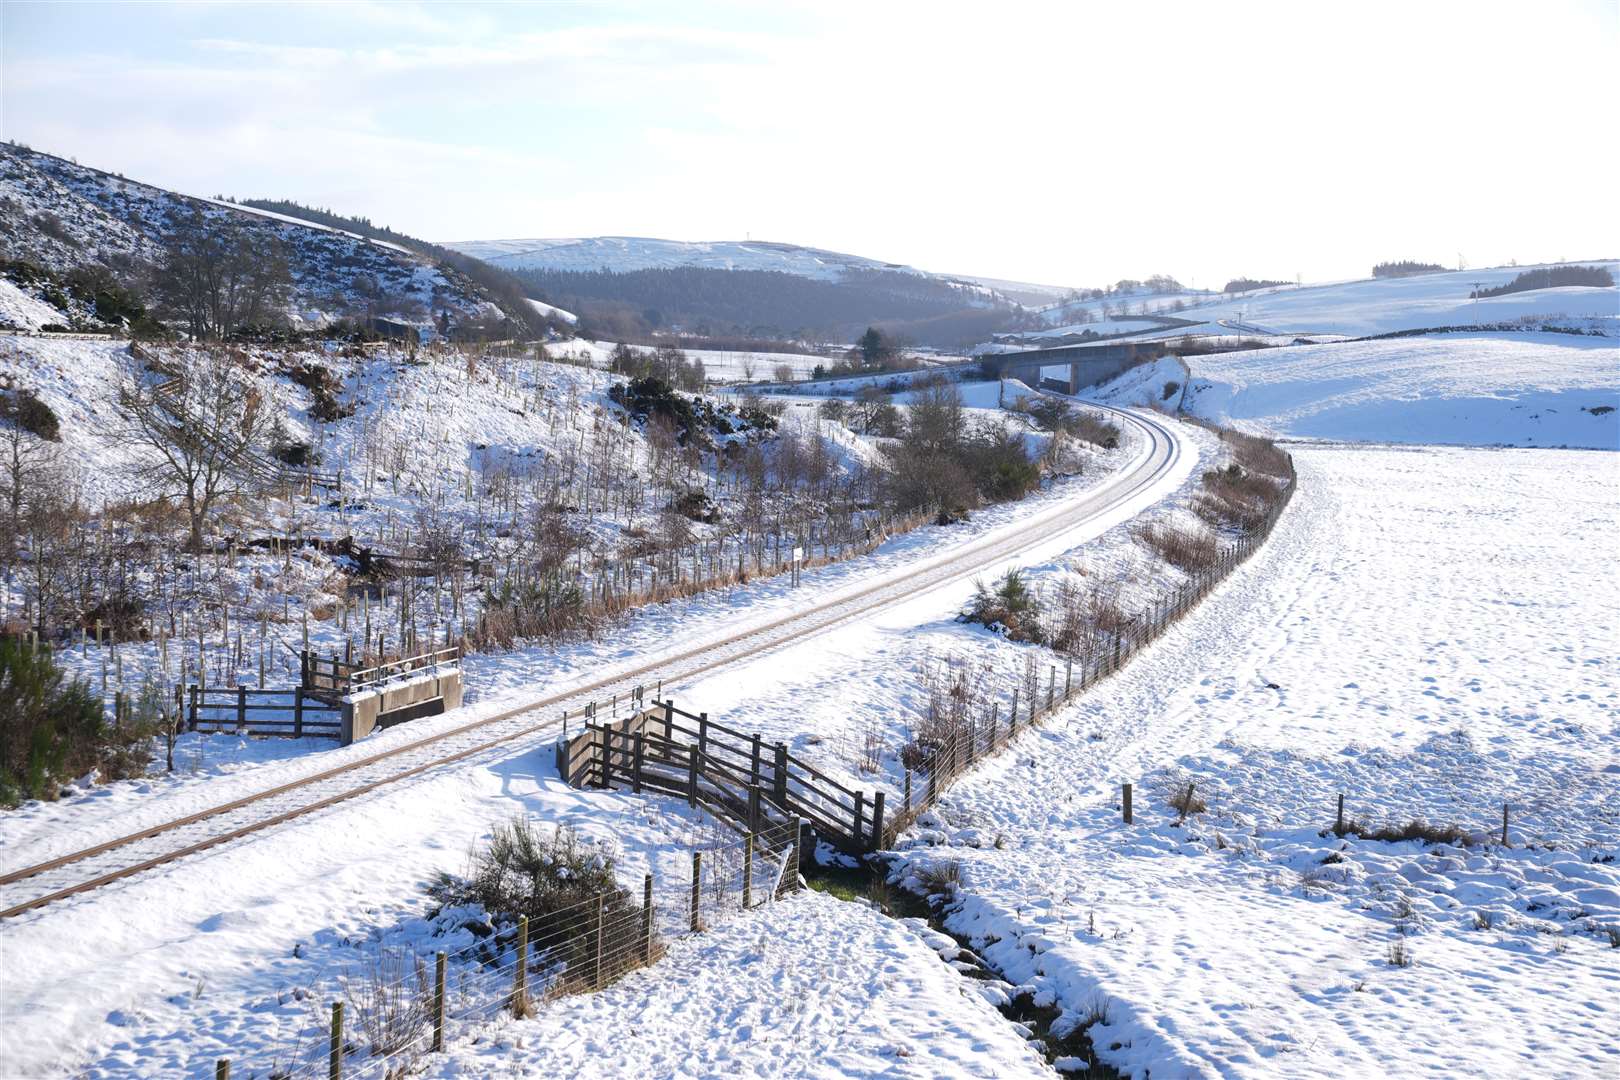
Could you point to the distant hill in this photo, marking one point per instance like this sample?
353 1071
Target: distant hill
626 287
625 254
59 216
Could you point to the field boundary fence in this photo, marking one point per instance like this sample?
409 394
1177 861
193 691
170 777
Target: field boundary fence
382 1015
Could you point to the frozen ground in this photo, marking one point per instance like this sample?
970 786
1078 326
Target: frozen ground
1516 389
1432 632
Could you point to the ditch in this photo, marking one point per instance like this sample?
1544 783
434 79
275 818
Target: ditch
869 882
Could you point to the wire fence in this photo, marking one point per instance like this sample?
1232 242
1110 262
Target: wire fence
380 1016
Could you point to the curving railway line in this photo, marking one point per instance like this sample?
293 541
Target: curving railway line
27 888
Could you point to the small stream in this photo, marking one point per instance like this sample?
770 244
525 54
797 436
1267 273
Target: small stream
869 882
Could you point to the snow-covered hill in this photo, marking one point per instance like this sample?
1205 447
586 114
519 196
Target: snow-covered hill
1509 389
58 215
1362 308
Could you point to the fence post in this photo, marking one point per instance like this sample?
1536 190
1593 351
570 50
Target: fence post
635 765
1068 678
222 1069
754 775
697 886
691 776
1127 790
877 821
646 919
781 777
520 976
193 716
334 1067
753 808
1504 824
601 938
1338 822
298 712
1051 685
438 1003
908 789
748 871
860 815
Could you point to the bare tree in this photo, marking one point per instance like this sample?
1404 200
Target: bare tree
25 461
204 426
222 274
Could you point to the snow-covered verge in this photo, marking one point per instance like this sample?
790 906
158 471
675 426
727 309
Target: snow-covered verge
1514 389
809 987
1381 645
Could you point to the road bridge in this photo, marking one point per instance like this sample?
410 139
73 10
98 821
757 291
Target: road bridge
1083 365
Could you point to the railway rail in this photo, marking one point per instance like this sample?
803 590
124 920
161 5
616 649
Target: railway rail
30 887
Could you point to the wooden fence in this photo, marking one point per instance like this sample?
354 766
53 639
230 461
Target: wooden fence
293 713
331 677
739 777
735 775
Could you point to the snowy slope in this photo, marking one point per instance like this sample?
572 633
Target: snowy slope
58 214
621 254
1517 389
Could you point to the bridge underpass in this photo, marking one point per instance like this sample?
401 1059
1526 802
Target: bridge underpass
1084 365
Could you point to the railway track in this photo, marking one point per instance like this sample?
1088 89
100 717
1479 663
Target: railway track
31 887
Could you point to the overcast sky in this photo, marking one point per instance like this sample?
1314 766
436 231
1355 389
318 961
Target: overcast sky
1071 143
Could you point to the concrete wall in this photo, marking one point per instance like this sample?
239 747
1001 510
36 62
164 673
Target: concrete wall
427 696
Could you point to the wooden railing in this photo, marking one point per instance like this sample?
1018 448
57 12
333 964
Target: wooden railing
335 677
735 774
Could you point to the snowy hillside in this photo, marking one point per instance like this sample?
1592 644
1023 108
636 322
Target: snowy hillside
1363 308
621 254
1513 389
58 215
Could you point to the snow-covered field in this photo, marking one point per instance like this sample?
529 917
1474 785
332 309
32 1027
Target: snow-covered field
1515 389
811 987
1431 632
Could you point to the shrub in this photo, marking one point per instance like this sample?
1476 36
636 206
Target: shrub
51 728
324 388
554 880
1416 829
1170 388
942 878
1191 550
1186 802
1010 605
24 408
